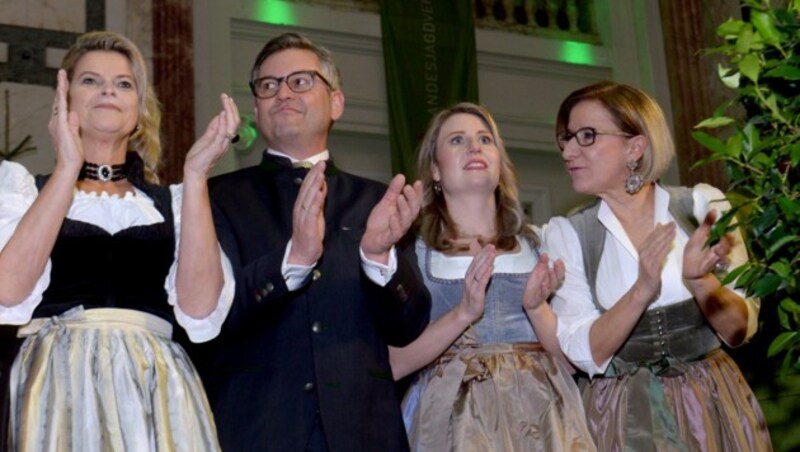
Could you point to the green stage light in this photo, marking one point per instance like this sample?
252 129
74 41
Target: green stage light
577 53
275 12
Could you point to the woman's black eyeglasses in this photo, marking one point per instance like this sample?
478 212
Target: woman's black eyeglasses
585 136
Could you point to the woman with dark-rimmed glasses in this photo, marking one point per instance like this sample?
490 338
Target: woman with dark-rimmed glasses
642 310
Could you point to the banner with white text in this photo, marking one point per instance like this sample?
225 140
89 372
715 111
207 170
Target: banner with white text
430 62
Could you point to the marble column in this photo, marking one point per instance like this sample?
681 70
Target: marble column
173 78
689 27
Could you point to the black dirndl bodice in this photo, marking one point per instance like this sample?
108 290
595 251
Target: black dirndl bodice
127 270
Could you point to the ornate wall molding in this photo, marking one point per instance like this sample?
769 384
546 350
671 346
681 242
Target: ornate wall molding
557 19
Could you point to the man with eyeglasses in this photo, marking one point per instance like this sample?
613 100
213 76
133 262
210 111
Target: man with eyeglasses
302 363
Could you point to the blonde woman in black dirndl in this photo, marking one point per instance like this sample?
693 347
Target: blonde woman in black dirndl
99 264
493 377
642 310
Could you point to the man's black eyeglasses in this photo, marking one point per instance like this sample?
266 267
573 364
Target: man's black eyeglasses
298 82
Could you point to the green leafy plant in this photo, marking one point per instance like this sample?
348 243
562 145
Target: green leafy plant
7 152
757 135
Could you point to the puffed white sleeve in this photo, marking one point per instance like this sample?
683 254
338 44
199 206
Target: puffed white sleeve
198 330
572 303
17 194
707 198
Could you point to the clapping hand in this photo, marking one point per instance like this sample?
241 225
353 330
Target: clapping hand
473 299
699 259
207 150
64 129
390 218
308 219
652 256
543 281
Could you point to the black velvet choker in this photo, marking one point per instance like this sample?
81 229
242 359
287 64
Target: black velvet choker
104 173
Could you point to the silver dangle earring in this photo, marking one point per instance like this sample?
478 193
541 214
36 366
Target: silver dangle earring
437 188
634 181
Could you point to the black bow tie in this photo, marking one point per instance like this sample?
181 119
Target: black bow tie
271 162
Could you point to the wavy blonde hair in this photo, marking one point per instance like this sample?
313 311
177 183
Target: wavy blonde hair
634 112
436 226
145 139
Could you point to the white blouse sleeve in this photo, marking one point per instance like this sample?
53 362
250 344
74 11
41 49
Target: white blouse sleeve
572 303
199 330
17 194
708 198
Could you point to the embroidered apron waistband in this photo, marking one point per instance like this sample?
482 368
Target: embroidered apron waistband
100 318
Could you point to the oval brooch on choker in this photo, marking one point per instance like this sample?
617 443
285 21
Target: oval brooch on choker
103 173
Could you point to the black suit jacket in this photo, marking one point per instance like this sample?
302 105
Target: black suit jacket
285 356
